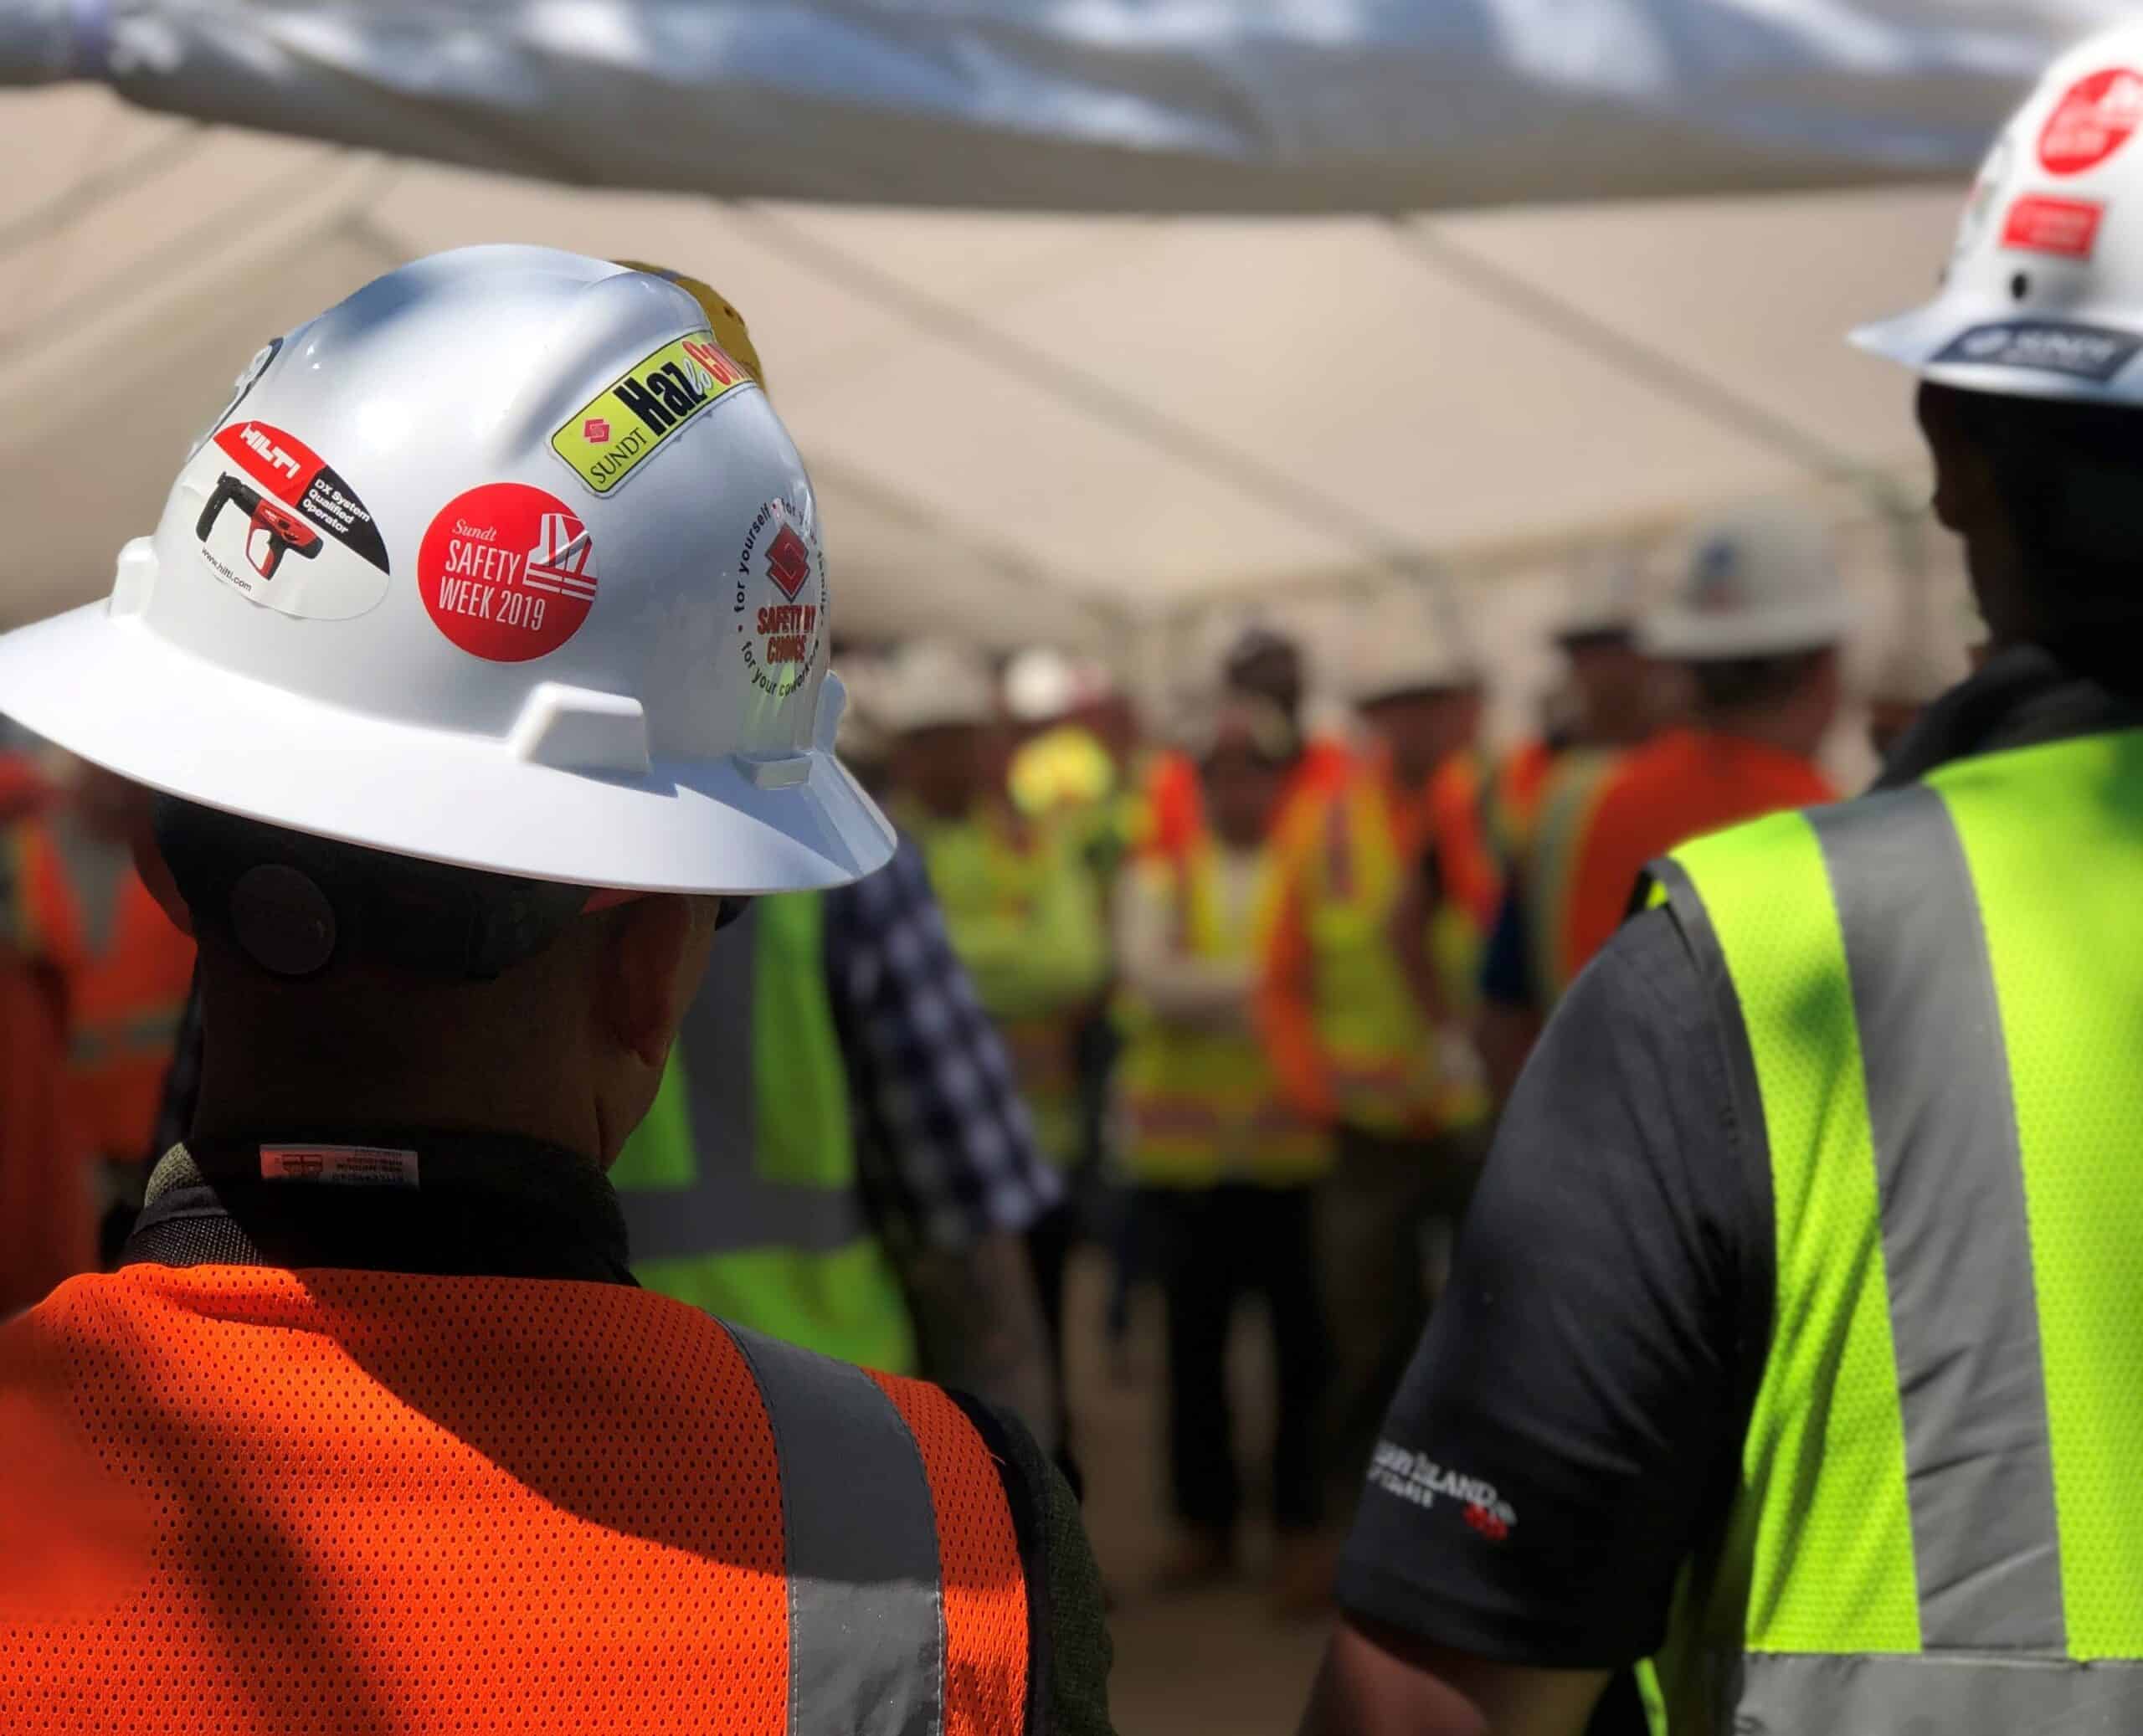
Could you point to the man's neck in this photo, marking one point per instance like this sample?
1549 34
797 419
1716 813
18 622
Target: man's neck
1765 727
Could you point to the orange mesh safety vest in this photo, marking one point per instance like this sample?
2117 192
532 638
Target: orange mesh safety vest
1605 816
126 990
246 1499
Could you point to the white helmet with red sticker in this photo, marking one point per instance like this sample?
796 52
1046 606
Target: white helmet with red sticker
2043 293
501 562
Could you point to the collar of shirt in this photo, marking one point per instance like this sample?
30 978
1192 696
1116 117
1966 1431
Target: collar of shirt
449 1205
2024 696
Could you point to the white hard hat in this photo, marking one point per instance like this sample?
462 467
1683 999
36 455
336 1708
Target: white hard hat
1760 580
1407 641
928 684
2044 295
1601 598
501 562
1042 684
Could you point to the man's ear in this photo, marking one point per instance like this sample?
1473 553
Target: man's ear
651 965
156 875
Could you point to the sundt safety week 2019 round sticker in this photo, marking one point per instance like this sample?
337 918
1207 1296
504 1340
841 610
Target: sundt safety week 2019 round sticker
507 572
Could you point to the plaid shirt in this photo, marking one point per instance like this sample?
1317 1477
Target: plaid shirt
946 1152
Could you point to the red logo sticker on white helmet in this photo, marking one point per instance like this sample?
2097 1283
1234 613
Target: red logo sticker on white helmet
2068 229
2091 120
780 599
508 570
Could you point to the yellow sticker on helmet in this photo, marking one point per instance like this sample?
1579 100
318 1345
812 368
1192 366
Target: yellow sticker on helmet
616 430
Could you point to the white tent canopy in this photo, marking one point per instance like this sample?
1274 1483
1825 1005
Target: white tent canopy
1022 427
1175 105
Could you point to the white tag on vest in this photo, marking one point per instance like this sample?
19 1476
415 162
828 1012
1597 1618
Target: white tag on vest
349 1166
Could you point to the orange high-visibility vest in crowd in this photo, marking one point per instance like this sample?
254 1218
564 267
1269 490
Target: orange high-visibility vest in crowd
1605 815
127 971
243 1499
1514 797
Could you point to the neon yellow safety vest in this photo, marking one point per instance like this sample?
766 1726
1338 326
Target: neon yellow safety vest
1938 1524
1378 1048
1026 923
1199 1106
739 1189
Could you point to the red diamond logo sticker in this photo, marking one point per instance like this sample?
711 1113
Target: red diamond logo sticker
788 562
595 431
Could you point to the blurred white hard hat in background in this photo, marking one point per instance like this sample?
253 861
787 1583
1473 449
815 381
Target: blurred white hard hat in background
1043 684
1758 581
1603 597
502 562
2044 295
1407 641
930 684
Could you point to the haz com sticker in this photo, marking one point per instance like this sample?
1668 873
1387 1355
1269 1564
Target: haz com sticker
508 570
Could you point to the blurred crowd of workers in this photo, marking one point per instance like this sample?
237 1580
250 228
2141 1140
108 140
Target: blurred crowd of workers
1233 1000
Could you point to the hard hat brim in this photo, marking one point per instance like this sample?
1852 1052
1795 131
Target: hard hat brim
1922 338
1688 638
107 689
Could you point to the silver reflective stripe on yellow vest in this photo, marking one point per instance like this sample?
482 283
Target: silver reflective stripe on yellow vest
731 1203
1933 1002
866 1617
740 1189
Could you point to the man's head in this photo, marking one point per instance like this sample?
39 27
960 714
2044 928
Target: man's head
2032 389
1756 616
2048 496
1615 686
1414 680
343 984
1244 749
1266 664
1420 727
456 655
938 703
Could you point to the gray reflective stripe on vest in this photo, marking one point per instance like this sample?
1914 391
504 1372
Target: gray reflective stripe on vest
730 1206
1956 1243
1791 1694
867 1618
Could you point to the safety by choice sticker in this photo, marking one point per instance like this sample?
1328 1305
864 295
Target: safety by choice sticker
779 599
508 570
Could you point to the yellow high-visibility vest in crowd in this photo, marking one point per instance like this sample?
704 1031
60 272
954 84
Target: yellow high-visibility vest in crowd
1379 1051
1199 1105
1936 1524
1025 918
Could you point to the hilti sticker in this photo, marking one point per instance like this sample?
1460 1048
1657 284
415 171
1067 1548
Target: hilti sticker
611 435
508 570
2091 120
2068 229
780 597
275 520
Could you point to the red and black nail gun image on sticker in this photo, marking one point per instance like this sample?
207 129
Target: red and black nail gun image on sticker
508 570
279 524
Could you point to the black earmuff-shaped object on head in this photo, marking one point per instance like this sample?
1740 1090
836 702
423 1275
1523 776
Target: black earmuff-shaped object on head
297 906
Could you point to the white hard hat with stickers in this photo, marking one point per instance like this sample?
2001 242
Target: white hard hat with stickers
1758 581
502 563
2043 293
